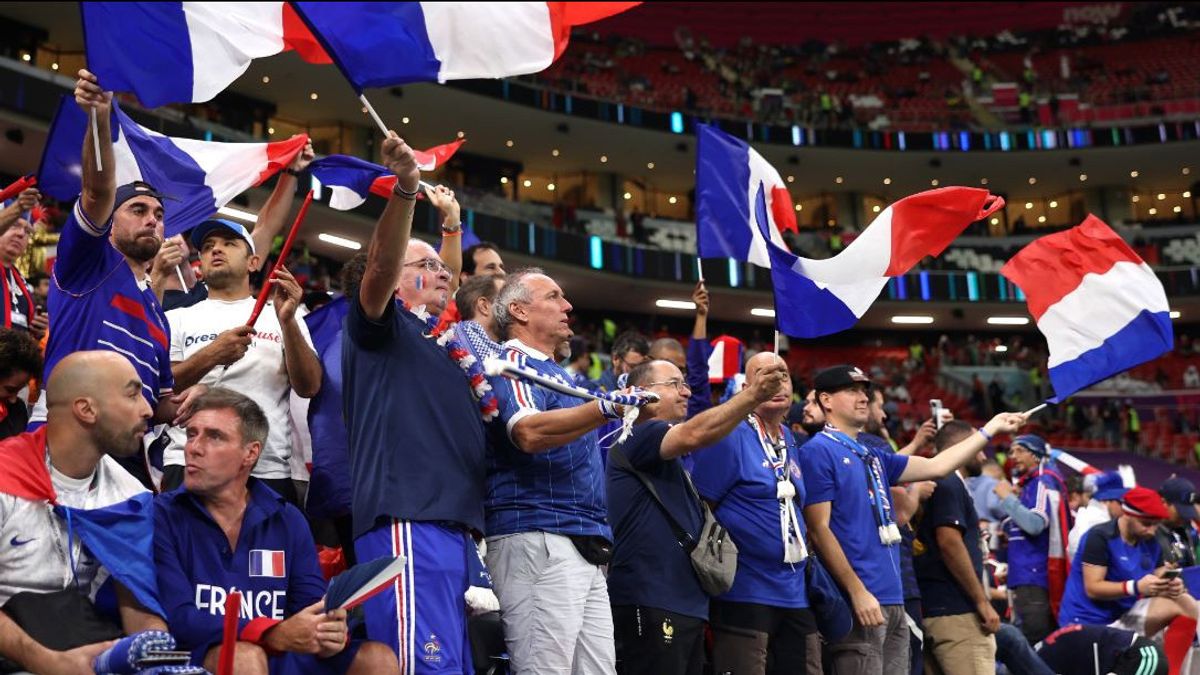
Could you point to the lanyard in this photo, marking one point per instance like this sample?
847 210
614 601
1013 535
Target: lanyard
68 554
794 549
889 533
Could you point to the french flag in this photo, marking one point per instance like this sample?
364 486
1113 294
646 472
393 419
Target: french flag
823 297
728 176
1100 306
187 51
198 177
379 44
351 179
267 563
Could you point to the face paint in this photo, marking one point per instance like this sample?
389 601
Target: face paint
420 282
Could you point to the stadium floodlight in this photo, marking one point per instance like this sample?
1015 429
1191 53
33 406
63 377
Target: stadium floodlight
765 312
674 304
339 241
918 319
1008 320
230 212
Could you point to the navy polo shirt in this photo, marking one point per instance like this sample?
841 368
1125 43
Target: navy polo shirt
415 430
1102 545
834 473
950 506
274 566
649 568
736 475
559 491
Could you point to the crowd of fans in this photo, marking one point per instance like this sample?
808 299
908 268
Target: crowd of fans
604 528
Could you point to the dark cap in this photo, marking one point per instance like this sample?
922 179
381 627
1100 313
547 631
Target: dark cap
795 414
1180 493
136 189
1033 443
839 377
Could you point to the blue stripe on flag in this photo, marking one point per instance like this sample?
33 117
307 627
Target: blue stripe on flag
802 309
1146 337
375 44
722 204
159 69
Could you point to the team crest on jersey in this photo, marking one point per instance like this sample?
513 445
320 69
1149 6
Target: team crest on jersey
433 649
668 631
794 469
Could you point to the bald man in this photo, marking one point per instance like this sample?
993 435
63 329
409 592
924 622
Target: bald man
96 413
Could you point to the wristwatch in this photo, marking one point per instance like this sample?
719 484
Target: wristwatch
451 229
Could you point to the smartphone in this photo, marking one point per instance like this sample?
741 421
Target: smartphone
935 409
1170 574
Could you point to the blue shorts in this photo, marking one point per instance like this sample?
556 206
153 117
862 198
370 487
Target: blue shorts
303 664
423 617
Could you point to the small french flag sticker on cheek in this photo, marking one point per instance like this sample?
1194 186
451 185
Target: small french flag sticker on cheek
264 563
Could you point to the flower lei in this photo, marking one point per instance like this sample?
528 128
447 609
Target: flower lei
481 389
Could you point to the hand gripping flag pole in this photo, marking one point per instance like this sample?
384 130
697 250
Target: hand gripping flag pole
632 401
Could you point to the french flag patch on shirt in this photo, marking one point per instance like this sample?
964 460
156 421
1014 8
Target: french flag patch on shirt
264 563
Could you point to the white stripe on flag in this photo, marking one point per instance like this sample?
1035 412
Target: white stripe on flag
225 37
489 39
1098 308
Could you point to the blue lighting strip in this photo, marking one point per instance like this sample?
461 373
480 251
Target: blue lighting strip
597 252
972 286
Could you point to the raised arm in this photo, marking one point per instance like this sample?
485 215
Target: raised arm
299 358
716 423
12 213
385 254
698 352
274 212
99 187
932 468
451 252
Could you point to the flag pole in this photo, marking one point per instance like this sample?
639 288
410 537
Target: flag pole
229 636
383 127
700 269
96 139
776 344
1035 409
182 281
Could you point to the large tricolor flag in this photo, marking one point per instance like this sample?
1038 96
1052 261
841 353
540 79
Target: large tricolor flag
728 176
351 179
198 177
379 44
1100 306
187 51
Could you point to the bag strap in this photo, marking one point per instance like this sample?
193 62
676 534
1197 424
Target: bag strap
618 458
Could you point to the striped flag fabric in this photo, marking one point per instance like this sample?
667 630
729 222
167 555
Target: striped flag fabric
198 48
197 176
351 179
267 563
1100 307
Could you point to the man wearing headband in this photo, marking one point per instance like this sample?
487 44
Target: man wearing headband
100 295
1118 579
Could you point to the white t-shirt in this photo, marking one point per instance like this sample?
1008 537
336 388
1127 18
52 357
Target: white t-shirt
33 553
1095 513
260 374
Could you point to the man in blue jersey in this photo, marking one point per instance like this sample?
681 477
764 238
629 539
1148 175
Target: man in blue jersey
546 513
753 479
225 531
100 297
1118 578
416 438
854 529
659 607
1038 528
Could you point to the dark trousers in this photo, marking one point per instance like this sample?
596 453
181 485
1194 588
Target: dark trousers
916 636
652 641
1031 612
752 639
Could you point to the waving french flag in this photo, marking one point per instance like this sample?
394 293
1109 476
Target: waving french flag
187 51
1100 306
379 44
822 297
351 179
728 176
198 177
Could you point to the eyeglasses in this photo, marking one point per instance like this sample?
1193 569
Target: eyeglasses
679 385
430 264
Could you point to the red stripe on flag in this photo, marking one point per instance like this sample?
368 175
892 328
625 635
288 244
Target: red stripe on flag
277 568
280 154
135 309
430 159
565 15
925 223
1053 266
383 185
297 36
783 210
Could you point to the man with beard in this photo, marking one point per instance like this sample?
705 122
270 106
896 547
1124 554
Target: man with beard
210 341
100 297
959 618
96 413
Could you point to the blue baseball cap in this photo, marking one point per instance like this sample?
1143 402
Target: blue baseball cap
1180 493
1109 487
137 188
1033 443
201 232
